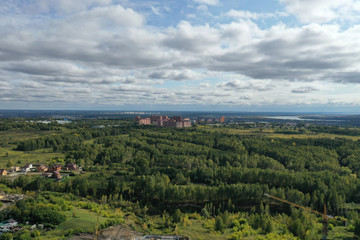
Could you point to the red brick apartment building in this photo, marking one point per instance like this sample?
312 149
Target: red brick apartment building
164 121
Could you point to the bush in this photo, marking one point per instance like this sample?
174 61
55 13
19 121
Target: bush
357 227
177 216
46 215
219 224
204 213
6 236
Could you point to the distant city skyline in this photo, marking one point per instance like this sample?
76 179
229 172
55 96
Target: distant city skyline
191 55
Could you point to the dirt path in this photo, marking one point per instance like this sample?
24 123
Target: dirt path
112 233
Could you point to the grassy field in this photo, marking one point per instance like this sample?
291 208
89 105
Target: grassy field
20 158
19 134
8 141
340 233
196 231
84 219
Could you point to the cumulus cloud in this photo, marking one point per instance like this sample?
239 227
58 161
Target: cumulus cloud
304 90
178 75
105 53
186 37
321 11
64 6
253 15
208 2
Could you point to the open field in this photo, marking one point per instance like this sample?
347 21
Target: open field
20 134
84 220
19 158
8 141
340 233
196 231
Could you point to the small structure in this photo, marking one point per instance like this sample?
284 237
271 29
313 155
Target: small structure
56 175
56 167
70 166
3 172
8 225
27 167
42 168
47 174
14 169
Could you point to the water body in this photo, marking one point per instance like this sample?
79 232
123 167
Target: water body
298 118
294 118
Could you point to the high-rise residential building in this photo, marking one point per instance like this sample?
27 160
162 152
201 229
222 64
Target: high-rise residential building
222 119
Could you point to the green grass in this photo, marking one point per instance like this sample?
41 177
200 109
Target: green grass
196 231
19 158
8 141
19 134
340 233
84 219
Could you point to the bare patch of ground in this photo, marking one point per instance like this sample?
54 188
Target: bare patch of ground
112 233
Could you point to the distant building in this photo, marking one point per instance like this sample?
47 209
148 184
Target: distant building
222 119
164 121
291 124
143 121
3 172
27 167
14 169
177 118
56 167
70 166
42 168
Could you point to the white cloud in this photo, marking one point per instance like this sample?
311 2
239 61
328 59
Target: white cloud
186 37
208 2
65 6
177 75
322 11
109 54
248 15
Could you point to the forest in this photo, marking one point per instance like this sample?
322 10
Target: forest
204 182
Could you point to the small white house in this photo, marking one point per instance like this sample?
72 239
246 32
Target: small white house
27 167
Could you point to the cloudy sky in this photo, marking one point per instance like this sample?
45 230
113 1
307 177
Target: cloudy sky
235 55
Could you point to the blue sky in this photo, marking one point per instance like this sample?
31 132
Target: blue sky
261 55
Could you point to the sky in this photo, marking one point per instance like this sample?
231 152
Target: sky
190 55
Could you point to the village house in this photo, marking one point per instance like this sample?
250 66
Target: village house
56 167
70 166
42 168
27 167
3 172
8 225
14 169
